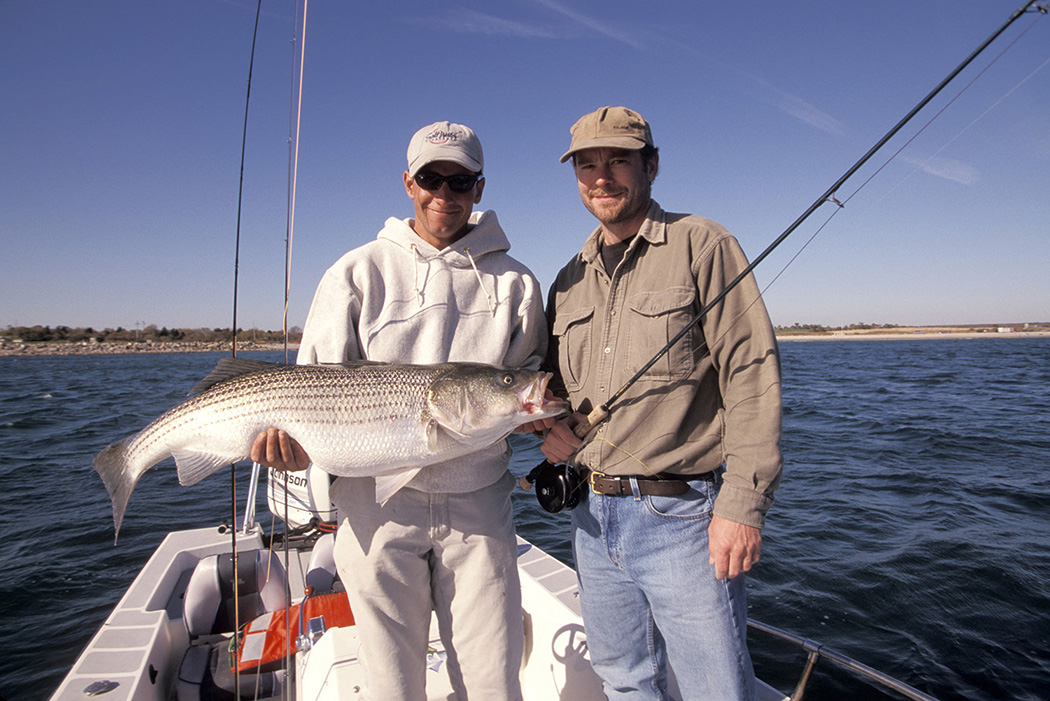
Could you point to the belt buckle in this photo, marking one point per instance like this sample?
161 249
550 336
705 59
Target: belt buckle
594 474
590 479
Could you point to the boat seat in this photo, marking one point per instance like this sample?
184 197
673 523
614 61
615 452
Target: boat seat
205 675
208 607
321 572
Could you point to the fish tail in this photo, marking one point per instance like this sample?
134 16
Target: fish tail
112 466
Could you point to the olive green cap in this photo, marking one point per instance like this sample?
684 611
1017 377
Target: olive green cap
609 127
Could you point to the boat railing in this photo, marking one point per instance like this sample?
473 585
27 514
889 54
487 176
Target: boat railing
817 651
249 505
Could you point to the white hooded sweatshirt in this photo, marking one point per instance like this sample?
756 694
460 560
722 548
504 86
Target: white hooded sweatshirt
400 300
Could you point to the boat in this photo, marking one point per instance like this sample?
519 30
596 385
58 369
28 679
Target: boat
169 636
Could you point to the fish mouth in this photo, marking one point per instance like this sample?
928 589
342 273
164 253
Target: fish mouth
533 400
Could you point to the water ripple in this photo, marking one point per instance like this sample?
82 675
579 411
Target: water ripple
909 532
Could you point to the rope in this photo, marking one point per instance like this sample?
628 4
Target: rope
481 284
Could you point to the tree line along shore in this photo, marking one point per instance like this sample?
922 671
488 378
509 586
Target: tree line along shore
43 340
64 340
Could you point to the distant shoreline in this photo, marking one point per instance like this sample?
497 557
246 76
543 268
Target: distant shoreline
124 348
906 336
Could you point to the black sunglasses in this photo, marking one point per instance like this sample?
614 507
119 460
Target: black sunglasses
457 183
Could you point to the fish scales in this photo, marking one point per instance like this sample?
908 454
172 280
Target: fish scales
358 419
309 400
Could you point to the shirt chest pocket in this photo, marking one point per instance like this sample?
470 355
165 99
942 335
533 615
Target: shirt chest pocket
654 319
572 333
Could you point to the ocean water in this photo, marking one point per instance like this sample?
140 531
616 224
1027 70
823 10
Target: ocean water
910 532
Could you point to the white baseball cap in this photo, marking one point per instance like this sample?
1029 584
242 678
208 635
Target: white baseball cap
445 141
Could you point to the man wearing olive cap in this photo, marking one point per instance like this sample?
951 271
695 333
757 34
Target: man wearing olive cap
681 474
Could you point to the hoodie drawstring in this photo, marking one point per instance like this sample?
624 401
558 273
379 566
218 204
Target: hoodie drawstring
415 273
488 297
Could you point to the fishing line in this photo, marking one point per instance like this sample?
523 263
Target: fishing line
295 121
842 204
601 413
240 185
968 126
233 331
941 111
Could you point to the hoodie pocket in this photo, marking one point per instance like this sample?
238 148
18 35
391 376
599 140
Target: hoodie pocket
572 333
655 318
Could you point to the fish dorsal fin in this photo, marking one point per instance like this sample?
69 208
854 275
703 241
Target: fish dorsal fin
357 363
229 368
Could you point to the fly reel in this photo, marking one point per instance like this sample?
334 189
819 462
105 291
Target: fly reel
557 486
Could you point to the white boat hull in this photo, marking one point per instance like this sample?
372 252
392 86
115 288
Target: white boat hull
137 652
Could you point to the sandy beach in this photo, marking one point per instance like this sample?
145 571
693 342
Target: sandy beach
916 335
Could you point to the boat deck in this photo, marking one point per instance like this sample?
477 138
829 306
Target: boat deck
137 652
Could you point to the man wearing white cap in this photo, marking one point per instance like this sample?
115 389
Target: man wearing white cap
434 288
681 474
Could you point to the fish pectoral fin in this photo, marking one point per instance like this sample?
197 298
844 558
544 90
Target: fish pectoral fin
438 435
436 431
195 465
387 485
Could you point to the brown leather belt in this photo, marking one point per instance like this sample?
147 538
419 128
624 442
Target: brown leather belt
662 485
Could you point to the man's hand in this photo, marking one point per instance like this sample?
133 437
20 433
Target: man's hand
537 426
561 442
276 449
734 547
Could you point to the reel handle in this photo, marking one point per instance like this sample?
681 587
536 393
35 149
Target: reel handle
528 480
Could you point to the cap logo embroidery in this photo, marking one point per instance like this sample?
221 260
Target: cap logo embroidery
439 136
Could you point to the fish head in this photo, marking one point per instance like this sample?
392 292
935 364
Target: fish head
479 403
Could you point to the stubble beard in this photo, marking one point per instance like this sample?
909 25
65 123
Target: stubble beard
637 203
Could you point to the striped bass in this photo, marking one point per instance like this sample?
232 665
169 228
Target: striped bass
353 419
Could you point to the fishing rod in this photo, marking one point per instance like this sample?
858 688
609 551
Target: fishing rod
557 487
233 341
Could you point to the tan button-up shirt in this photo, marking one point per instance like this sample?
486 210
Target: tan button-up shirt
713 399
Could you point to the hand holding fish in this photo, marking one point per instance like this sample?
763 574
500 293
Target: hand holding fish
277 450
541 424
734 547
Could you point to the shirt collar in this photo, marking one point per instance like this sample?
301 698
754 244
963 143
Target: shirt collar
653 230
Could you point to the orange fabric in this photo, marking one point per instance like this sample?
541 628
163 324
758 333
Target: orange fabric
266 639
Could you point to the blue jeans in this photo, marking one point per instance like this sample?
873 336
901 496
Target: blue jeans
650 596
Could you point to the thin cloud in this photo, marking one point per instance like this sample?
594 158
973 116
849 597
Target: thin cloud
808 114
466 21
949 169
797 108
787 103
591 24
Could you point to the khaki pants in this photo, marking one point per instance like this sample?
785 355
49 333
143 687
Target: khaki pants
455 553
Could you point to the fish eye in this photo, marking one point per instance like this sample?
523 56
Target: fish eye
508 380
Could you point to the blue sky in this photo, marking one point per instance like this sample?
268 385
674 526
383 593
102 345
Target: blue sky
122 125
